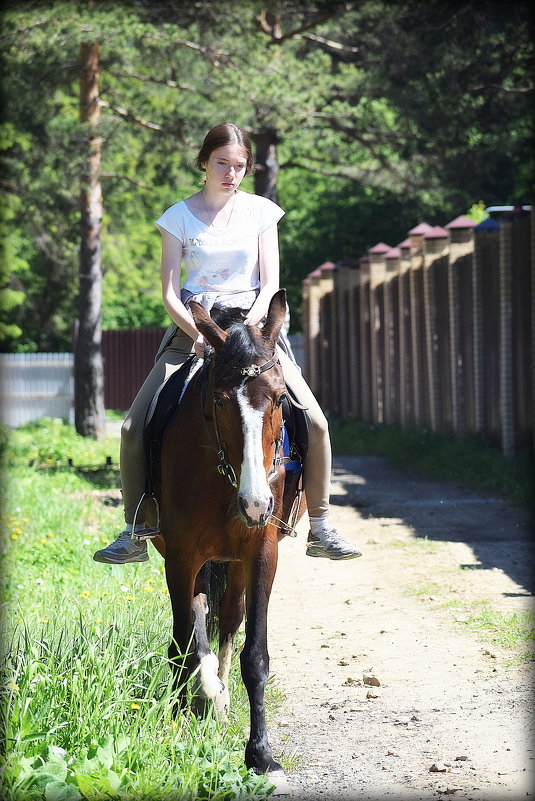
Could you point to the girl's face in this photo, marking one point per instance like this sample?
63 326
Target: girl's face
226 167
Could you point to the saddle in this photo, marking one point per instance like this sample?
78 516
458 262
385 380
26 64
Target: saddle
164 407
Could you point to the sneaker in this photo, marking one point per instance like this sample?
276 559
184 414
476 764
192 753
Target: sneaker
330 545
124 549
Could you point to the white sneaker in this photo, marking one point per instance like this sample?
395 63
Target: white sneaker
123 550
329 544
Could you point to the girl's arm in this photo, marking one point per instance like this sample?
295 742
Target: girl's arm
171 263
268 256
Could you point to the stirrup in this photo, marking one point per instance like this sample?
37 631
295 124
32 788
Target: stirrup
149 531
289 527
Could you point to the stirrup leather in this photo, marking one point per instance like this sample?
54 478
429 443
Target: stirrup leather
149 531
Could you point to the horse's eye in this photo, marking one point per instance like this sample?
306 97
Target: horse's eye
219 402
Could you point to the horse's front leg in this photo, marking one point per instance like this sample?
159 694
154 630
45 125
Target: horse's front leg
259 570
231 612
180 575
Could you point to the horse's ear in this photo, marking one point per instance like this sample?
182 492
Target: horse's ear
275 317
207 327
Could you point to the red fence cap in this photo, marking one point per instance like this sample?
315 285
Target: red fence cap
461 222
393 253
405 244
421 228
380 247
436 232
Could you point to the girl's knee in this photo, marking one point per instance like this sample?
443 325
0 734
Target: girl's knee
131 436
318 427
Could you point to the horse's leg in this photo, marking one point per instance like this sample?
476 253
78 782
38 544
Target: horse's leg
259 574
231 611
180 575
208 686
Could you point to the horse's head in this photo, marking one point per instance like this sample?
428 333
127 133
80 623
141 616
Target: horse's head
246 387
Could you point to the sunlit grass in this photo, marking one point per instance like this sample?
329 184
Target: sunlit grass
88 706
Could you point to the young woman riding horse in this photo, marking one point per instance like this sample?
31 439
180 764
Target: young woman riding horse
227 240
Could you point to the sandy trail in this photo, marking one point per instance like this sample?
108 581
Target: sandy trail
433 553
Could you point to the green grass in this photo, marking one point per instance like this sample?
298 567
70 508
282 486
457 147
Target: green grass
470 461
514 631
87 701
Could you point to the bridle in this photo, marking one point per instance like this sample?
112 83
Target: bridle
224 466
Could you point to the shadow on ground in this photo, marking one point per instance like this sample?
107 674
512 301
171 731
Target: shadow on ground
500 534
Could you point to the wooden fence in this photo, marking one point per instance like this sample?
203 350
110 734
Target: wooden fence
437 332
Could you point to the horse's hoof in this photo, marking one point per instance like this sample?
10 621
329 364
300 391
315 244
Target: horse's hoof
222 705
279 781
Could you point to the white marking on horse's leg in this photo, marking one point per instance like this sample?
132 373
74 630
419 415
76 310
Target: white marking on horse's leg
225 658
280 782
254 489
209 683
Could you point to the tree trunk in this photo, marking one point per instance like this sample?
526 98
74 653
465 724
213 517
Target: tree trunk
88 368
267 166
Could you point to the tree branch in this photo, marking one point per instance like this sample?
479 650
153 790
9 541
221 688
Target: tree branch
500 88
126 178
273 29
187 87
152 126
341 48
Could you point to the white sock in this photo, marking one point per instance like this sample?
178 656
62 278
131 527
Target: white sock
318 524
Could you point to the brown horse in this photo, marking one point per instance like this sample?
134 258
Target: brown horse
221 500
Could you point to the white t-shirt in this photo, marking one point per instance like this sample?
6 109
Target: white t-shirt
222 260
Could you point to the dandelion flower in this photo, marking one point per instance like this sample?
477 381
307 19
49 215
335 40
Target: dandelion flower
135 706
12 686
129 597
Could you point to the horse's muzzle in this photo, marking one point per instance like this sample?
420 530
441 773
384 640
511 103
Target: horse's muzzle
252 513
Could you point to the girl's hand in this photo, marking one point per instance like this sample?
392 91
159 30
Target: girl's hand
199 346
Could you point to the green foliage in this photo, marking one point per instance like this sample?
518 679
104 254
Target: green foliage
51 442
88 706
415 110
470 461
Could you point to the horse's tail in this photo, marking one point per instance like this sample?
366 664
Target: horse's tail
215 577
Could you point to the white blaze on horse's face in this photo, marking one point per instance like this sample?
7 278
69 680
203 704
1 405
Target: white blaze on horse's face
255 500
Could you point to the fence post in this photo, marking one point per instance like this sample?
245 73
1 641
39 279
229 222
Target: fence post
377 374
404 349
435 244
365 338
461 245
506 353
418 376
391 341
345 335
313 330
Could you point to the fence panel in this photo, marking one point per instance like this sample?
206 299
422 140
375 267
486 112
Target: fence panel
128 358
35 385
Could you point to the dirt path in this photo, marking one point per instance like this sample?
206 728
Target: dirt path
432 554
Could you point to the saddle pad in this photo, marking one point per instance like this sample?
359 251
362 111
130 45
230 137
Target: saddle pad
159 414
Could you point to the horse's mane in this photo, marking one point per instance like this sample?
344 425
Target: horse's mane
242 346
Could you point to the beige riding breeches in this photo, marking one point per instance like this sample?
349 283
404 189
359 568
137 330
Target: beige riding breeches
170 359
